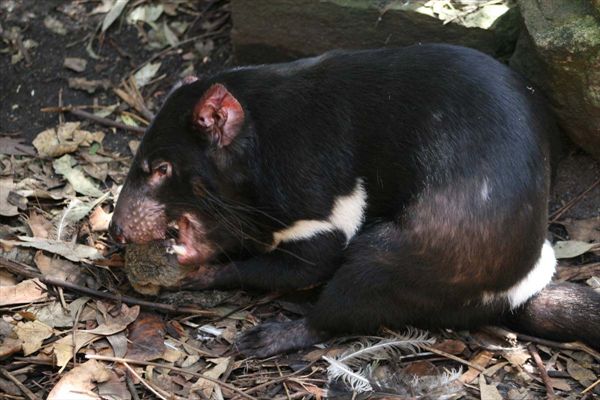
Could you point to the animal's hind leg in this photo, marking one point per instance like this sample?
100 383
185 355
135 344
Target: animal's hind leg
385 280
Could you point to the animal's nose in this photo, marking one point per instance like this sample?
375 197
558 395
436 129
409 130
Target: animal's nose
116 232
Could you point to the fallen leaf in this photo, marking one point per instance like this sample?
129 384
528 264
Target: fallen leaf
488 392
33 335
572 248
14 146
99 219
75 176
55 316
73 213
113 14
145 74
78 382
206 386
55 25
40 226
582 375
9 346
114 388
90 86
66 138
65 347
59 268
517 357
146 338
71 251
481 359
74 63
451 346
583 230
146 13
7 209
133 146
28 291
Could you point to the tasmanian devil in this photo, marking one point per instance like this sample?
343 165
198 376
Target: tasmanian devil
413 182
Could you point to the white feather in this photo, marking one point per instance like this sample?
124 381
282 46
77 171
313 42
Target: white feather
357 380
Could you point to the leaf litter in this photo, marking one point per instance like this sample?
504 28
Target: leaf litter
62 335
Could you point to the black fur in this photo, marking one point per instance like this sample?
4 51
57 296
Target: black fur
453 149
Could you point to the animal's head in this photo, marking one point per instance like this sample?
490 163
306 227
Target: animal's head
188 164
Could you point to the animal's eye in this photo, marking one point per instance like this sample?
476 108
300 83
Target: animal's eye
162 169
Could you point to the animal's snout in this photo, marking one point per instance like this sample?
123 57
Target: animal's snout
116 232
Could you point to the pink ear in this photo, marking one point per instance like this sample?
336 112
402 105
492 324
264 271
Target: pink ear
219 114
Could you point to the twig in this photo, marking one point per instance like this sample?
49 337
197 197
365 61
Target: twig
558 213
95 118
143 381
182 370
453 357
28 393
281 379
542 368
593 385
505 333
25 270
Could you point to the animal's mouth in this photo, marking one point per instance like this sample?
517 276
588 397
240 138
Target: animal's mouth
190 244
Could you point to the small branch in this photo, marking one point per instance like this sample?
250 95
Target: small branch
143 381
100 120
28 393
593 385
182 370
558 213
453 357
505 334
25 270
542 368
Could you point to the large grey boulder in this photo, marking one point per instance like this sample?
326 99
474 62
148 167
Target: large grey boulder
277 30
560 52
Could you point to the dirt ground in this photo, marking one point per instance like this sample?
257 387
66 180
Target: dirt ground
36 38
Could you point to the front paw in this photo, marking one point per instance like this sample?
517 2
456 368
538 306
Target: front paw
272 338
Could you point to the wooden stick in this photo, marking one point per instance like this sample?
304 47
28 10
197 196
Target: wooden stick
542 368
558 213
28 393
158 365
100 120
25 270
453 357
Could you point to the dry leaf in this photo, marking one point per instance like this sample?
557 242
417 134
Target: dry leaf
66 138
583 230
114 388
7 209
78 382
572 248
75 176
59 268
113 14
99 219
146 338
71 251
28 291
146 73
15 147
205 386
488 392
87 85
517 357
40 226
33 335
55 25
74 63
582 375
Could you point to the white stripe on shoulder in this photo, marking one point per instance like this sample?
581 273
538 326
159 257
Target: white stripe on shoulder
347 215
539 276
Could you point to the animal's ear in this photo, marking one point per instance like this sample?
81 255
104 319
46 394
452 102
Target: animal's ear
219 114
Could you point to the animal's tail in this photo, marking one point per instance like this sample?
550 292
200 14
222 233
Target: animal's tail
561 311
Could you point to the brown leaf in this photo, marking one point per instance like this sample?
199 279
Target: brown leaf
74 63
28 291
99 219
77 383
205 386
33 335
7 209
15 147
585 230
87 85
114 388
517 357
40 226
59 268
451 346
488 392
481 359
146 338
582 375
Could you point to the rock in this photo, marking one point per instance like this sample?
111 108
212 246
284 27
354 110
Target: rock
278 30
559 51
